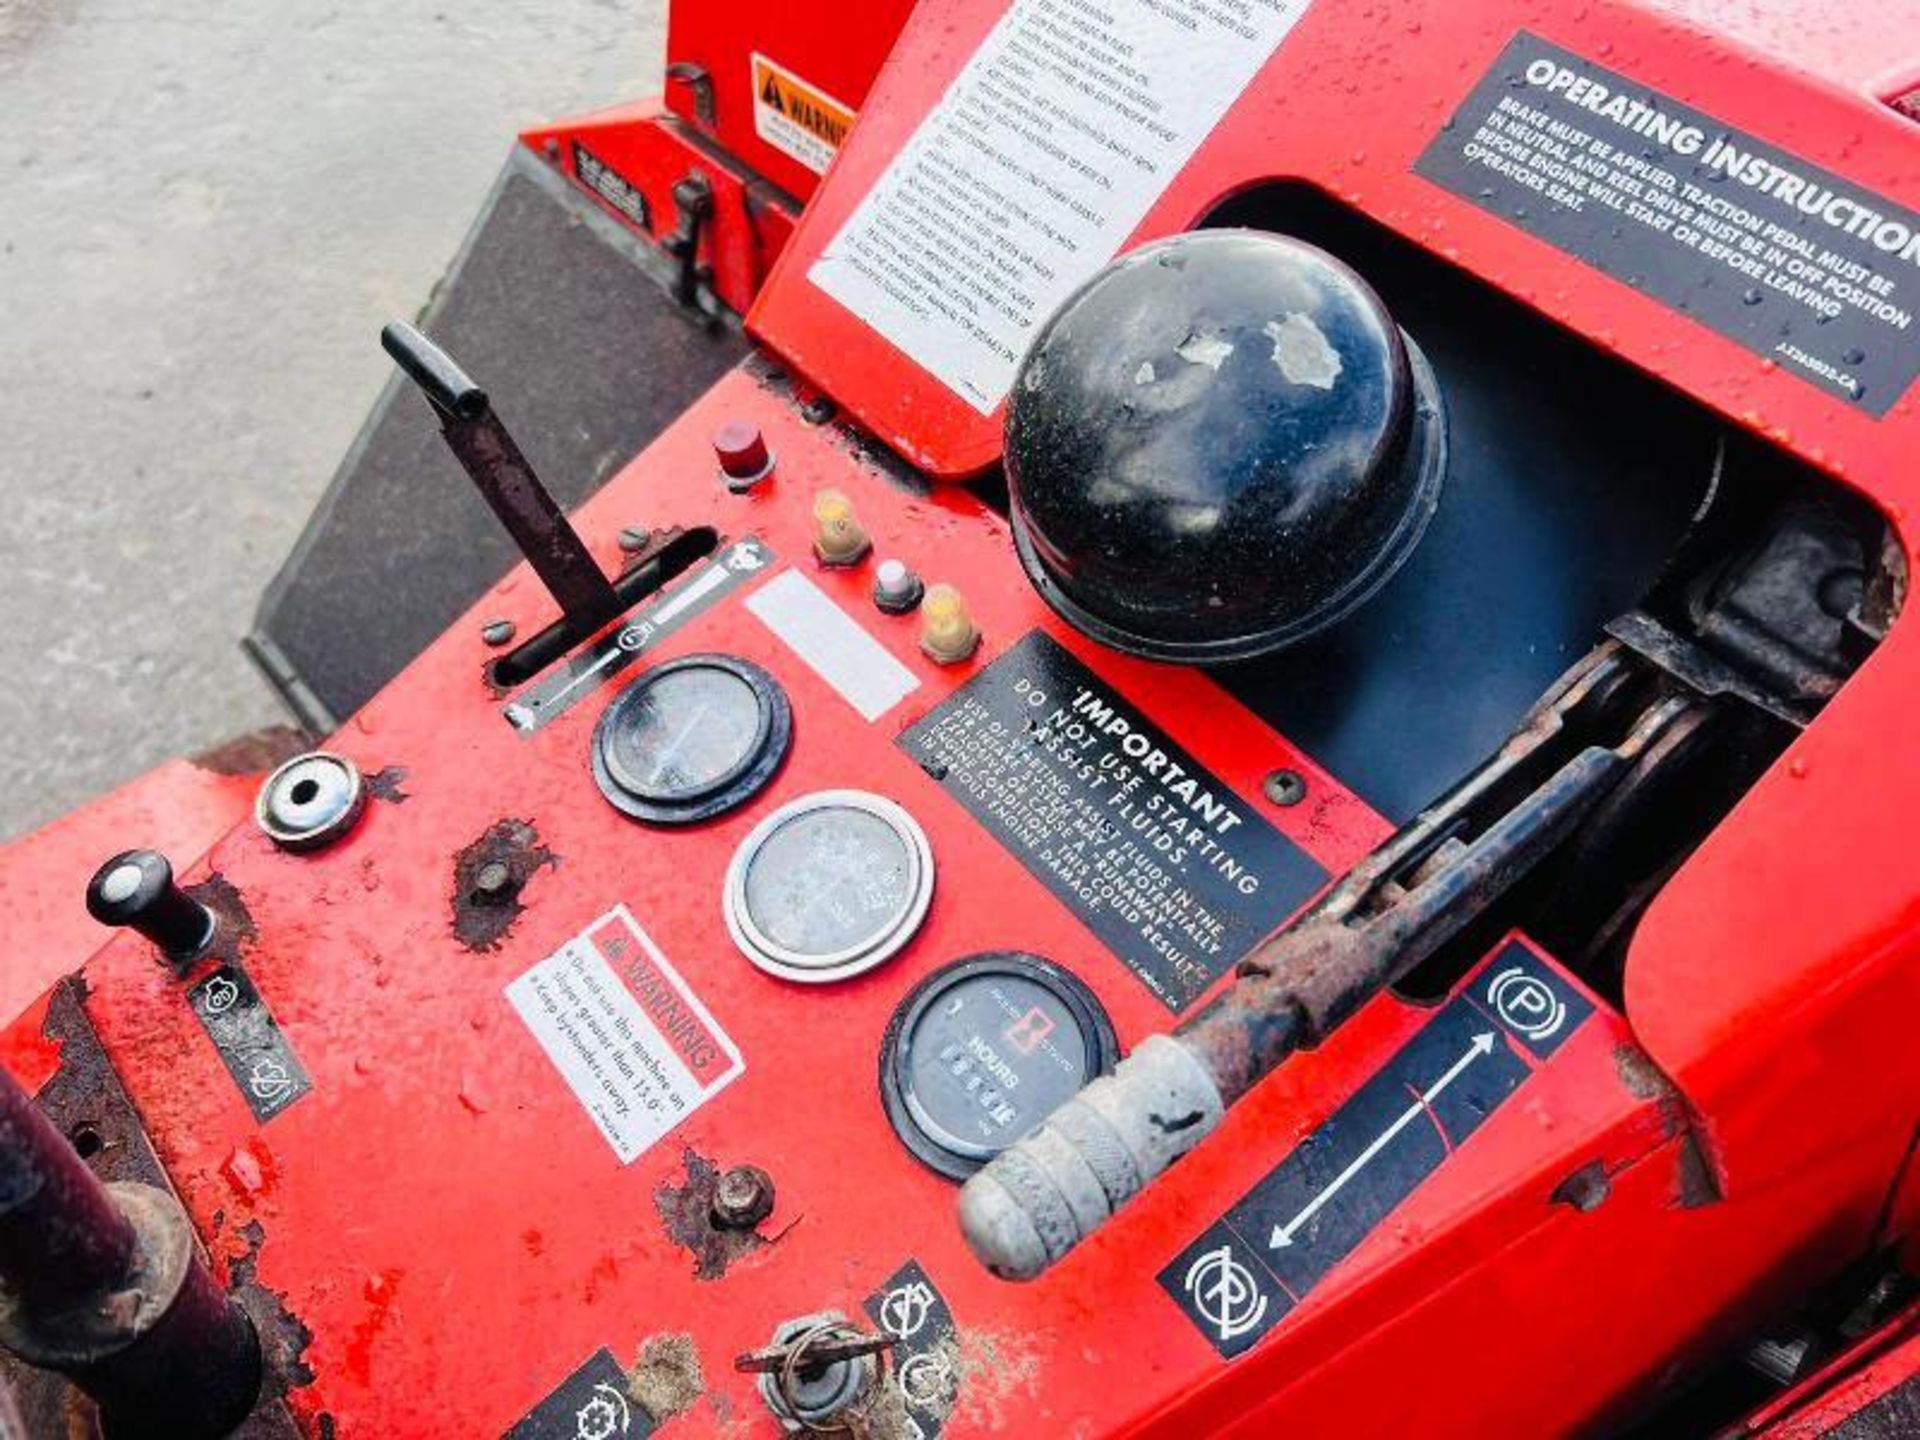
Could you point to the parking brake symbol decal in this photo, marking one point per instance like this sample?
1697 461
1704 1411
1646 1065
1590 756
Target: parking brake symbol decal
1245 1272
1225 1294
1525 1005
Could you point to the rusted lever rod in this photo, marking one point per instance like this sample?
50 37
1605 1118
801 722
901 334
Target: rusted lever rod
102 1283
1042 1196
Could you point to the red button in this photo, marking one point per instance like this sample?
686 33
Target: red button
741 449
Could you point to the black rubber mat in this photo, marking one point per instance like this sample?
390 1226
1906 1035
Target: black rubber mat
564 317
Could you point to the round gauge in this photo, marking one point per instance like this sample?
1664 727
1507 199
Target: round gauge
829 886
983 1051
691 738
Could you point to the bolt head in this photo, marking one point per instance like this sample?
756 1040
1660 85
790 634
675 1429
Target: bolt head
742 1197
497 632
493 879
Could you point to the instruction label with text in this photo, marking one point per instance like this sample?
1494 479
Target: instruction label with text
1177 874
1813 272
634 1043
1042 157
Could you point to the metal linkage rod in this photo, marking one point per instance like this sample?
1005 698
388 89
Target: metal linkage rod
103 1283
1042 1196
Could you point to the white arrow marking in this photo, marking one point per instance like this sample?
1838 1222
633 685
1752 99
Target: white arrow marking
1283 1234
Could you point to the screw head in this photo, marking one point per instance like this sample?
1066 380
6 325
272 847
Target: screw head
742 1197
494 880
635 538
497 632
1285 787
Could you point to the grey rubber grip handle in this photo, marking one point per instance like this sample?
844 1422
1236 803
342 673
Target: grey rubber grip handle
1045 1194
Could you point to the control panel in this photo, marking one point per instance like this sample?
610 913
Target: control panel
686 975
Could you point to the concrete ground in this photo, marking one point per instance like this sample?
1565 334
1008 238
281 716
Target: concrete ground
206 213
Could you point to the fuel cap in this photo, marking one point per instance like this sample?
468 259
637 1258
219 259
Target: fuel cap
981 1052
1219 446
829 886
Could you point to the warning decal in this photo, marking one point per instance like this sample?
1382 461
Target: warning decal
1800 266
796 118
1242 1276
638 1048
1176 873
1043 156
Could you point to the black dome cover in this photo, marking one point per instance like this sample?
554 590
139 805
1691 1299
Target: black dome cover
1220 445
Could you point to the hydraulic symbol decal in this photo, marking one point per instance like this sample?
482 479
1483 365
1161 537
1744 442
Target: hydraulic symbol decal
248 1038
926 1362
1240 1278
591 1404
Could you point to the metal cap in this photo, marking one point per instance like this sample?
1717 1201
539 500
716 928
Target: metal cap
311 801
1218 446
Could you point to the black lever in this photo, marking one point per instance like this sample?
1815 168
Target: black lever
506 481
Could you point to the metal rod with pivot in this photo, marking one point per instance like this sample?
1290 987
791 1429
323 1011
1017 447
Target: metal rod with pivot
104 1283
506 481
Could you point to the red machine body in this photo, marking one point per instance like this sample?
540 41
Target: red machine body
430 1094
458 1242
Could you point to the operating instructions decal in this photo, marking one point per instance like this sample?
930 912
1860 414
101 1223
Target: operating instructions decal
1042 157
1253 1265
1177 874
1811 271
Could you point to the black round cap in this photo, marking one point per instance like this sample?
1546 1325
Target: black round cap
1218 446
136 889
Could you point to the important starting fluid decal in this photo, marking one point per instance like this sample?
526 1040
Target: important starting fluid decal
1797 264
1240 1278
634 1043
1175 872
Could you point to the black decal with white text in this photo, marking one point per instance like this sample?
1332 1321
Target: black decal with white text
1177 874
1811 271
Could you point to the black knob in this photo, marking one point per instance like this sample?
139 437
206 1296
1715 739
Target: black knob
136 888
1218 446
